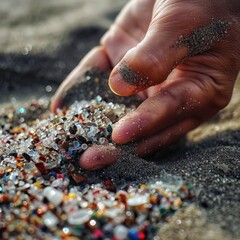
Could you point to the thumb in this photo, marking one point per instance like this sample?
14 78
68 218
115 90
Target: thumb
166 44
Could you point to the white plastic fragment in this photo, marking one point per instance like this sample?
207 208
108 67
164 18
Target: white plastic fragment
79 217
50 220
138 200
53 195
120 232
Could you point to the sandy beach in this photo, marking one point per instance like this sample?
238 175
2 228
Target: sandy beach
37 53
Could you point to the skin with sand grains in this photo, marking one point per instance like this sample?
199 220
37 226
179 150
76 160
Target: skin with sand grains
199 41
180 57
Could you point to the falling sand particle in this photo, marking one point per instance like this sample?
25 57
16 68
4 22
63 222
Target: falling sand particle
202 39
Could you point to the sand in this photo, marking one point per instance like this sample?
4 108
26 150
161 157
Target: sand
209 158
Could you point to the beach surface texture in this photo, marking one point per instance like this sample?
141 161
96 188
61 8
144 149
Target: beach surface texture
189 191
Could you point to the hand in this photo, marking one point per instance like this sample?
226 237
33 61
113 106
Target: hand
181 57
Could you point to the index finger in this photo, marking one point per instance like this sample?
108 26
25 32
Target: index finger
96 58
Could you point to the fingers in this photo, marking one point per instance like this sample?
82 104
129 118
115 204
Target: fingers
128 29
165 137
96 58
154 114
117 42
167 43
149 62
190 96
98 157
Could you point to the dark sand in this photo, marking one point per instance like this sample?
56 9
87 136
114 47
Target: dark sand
211 164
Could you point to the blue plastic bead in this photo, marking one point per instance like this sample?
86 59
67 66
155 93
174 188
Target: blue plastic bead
133 234
21 110
160 196
70 152
5 177
54 174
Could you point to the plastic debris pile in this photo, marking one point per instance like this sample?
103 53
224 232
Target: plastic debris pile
45 195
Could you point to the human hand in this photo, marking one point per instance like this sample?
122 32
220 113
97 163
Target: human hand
181 57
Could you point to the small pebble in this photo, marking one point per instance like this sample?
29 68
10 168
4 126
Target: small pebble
223 167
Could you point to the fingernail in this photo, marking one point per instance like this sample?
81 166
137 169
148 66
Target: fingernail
119 86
